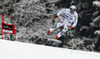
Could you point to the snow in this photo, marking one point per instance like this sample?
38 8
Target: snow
19 50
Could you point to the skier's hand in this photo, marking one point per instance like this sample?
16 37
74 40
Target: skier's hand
70 27
54 17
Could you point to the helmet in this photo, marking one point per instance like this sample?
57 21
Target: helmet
72 8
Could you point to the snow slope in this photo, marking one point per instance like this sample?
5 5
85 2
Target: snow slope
18 50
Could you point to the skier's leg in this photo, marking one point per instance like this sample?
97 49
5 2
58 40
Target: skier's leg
60 23
63 31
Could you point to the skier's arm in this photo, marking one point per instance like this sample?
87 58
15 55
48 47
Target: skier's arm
75 22
60 12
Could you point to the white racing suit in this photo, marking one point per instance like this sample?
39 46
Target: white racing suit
70 19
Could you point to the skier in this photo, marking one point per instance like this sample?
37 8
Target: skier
69 21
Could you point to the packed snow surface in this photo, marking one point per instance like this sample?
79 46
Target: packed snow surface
18 50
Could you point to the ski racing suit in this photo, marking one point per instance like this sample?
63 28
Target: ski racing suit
68 20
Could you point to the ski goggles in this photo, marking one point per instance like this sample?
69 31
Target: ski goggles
72 9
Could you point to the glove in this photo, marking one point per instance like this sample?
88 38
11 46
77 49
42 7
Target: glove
55 16
70 27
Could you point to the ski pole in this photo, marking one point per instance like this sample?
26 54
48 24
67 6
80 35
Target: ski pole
72 41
